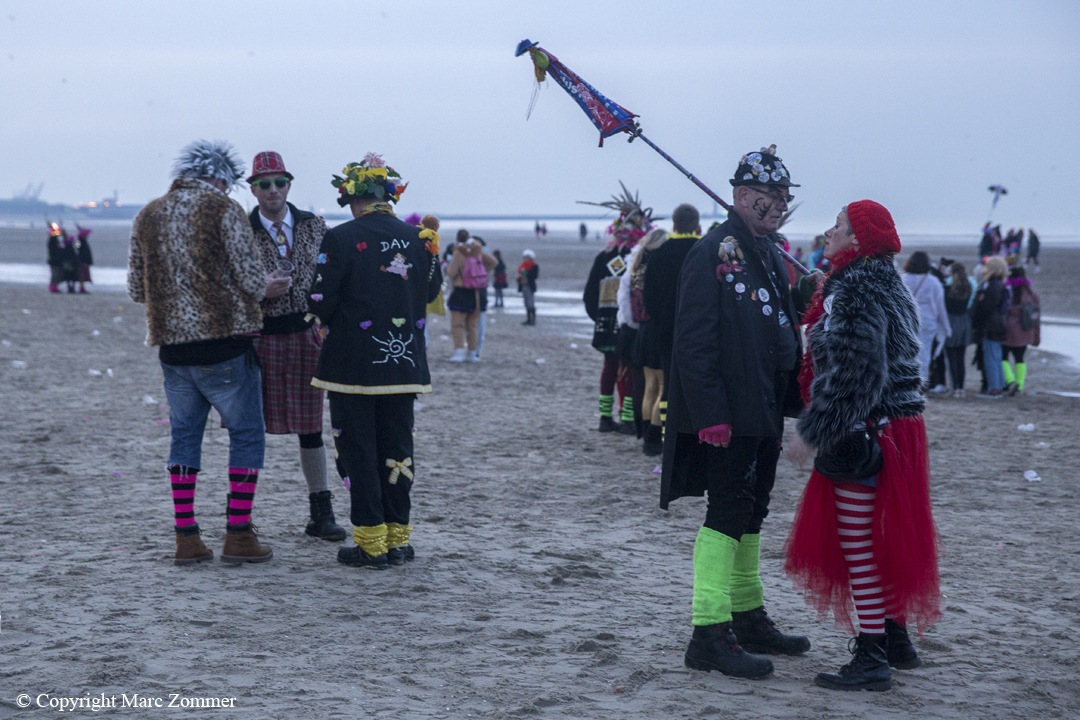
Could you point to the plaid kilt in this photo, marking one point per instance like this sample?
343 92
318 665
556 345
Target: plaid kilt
291 405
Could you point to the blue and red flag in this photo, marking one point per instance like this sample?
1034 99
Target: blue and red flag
609 117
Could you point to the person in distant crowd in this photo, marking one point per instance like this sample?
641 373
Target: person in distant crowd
937 379
55 249
69 262
543 230
1022 328
468 272
864 533
375 276
195 264
601 298
817 252
583 231
799 253
986 244
1033 250
995 235
481 327
959 293
289 342
85 256
930 297
661 293
736 356
537 229
528 272
646 351
988 314
499 283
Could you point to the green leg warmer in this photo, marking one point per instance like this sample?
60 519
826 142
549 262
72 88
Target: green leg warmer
714 556
1009 377
627 410
606 404
747 593
1021 375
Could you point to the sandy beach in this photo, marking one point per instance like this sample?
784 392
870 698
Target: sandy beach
547 582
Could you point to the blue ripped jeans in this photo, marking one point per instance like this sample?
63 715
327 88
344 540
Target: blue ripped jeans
234 389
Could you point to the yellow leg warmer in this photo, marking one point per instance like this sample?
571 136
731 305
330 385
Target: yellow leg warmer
371 540
397 535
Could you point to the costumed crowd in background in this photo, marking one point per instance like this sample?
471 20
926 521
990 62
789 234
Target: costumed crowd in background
69 258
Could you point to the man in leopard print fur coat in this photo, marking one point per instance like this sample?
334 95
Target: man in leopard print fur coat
195 264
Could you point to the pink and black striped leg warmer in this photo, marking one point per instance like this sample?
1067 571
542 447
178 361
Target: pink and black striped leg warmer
855 516
242 483
183 494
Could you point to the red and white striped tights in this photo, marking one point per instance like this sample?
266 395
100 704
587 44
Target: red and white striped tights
854 515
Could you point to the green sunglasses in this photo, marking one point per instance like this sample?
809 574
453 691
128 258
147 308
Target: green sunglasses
279 183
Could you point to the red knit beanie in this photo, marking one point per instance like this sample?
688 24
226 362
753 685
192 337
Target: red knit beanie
874 228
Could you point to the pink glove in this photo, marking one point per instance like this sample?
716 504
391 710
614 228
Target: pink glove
715 435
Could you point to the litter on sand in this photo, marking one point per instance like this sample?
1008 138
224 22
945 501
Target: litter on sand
573 346
1029 427
1032 476
20 364
540 361
96 333
147 400
93 372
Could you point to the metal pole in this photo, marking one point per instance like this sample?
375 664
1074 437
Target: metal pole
797 265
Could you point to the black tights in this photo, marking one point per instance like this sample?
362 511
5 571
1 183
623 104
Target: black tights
310 441
955 356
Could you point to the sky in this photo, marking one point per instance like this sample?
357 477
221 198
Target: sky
920 105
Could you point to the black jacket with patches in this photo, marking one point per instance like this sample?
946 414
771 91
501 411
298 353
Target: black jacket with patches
865 350
600 298
725 364
374 277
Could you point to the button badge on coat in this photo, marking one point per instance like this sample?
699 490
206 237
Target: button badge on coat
740 288
763 295
729 277
767 310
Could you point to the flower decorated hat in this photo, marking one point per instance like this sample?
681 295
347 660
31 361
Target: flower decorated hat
762 167
370 178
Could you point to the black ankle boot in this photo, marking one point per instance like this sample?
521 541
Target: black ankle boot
757 633
400 555
654 440
322 523
714 647
898 648
868 669
607 424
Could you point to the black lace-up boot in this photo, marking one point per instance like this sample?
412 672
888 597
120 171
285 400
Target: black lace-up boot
322 523
868 669
757 633
714 647
898 648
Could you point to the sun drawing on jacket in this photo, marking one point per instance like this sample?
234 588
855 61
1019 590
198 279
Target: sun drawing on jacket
396 349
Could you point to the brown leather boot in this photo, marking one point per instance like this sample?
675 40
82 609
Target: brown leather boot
190 548
242 546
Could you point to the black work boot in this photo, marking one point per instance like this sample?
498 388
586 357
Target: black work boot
400 555
356 557
714 647
868 669
654 440
898 648
322 523
757 633
607 424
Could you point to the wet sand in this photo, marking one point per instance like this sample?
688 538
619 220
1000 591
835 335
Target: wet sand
547 583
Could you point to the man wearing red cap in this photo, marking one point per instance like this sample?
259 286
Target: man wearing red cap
289 344
736 357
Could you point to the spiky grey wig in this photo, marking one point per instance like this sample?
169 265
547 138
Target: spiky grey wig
205 159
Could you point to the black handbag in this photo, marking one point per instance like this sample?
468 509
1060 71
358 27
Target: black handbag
857 457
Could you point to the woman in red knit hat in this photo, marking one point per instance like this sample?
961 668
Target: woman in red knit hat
864 533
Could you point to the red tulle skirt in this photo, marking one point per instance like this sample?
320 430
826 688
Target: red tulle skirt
905 537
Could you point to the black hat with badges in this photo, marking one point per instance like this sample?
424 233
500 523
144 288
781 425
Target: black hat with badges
762 168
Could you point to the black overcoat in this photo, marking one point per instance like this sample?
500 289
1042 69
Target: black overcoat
606 326
724 367
374 277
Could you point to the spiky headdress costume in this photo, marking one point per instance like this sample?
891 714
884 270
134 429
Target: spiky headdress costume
371 178
209 159
634 221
